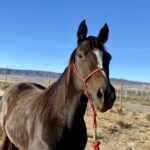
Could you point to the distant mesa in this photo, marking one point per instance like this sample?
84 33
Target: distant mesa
35 73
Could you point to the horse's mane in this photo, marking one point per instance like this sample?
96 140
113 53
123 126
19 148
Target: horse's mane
54 97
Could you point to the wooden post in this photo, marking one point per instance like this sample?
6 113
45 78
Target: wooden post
49 82
121 94
147 93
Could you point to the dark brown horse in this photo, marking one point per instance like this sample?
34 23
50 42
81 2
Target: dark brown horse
35 118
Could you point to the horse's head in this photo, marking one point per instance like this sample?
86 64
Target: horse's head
91 61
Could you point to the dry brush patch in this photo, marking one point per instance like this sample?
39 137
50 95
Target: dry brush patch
121 130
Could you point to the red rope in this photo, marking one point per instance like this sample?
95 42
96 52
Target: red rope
95 144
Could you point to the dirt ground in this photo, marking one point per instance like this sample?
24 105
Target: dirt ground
121 130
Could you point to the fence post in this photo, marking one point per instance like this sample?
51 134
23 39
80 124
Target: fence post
49 82
147 95
121 94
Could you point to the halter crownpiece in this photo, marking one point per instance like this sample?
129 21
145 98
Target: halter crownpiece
95 143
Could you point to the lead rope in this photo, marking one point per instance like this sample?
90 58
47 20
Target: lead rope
95 143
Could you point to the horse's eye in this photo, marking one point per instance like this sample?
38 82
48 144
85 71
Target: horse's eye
80 56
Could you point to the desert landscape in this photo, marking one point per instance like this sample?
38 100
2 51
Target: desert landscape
125 127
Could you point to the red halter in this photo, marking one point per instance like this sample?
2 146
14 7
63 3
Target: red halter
95 143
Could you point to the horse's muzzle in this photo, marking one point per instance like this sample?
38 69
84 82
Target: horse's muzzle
107 97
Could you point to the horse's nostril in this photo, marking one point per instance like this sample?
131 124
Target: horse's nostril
99 94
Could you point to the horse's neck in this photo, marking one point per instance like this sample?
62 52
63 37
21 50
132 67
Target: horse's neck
77 110
63 97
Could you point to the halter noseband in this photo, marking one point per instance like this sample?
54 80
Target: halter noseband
95 143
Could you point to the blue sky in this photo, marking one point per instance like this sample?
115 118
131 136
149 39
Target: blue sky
41 34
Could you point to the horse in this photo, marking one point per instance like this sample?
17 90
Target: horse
33 117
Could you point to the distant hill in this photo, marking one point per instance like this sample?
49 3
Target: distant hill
128 83
29 73
54 75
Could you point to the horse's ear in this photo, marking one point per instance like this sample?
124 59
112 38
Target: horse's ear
103 34
82 32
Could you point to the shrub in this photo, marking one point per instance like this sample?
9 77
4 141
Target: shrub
124 125
4 86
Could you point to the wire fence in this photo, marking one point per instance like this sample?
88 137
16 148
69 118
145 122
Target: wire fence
45 81
132 92
122 90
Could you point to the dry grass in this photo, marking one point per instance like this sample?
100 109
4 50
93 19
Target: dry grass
121 130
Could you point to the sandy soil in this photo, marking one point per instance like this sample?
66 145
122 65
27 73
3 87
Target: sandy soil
126 130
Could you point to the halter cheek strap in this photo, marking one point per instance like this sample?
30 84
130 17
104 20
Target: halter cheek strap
95 143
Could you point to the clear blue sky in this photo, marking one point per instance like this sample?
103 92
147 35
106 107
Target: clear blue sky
41 34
